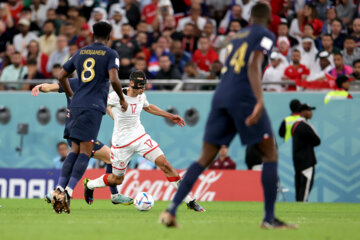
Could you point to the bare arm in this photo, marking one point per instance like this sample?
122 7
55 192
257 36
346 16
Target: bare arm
109 112
155 110
63 79
115 82
45 88
254 74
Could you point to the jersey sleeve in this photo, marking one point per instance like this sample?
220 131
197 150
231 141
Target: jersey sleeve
113 99
61 90
114 61
69 66
265 43
146 102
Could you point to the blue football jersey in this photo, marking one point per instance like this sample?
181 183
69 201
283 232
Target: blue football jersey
234 88
74 84
92 64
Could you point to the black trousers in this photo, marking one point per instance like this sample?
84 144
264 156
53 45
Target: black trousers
304 180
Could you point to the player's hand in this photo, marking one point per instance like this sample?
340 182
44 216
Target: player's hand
124 105
255 115
35 91
178 120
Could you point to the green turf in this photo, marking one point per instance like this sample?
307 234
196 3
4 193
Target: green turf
34 219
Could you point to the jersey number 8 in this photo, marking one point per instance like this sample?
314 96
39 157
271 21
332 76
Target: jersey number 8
237 61
88 69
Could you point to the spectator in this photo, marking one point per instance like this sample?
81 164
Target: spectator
76 20
308 52
60 55
235 13
127 50
295 71
350 52
283 46
355 85
204 56
69 31
141 40
5 15
274 72
340 68
170 28
321 68
48 40
161 47
223 49
209 33
23 39
141 65
337 36
85 36
346 10
288 122
13 72
27 14
283 31
167 70
327 45
309 33
15 7
223 161
41 58
304 139
118 19
191 72
235 26
331 14
246 6
164 9
55 71
356 31
341 93
6 60
97 15
51 16
181 57
215 72
132 13
5 37
38 12
189 41
63 150
321 8
149 12
194 18
32 73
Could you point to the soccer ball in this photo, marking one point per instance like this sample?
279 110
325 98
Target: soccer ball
143 201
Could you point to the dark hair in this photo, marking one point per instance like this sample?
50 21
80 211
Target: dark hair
295 105
73 9
49 21
260 10
327 35
16 52
340 80
31 61
189 24
314 12
68 23
338 53
355 62
283 23
296 50
102 30
165 55
26 9
337 20
137 74
126 24
350 38
56 65
190 64
61 143
309 24
235 20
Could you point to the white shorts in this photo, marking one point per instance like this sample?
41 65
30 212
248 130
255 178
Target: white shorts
144 146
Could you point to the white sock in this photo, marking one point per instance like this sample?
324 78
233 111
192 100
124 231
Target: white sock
96 183
60 187
69 191
176 184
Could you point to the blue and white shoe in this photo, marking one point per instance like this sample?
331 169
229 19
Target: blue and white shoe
121 199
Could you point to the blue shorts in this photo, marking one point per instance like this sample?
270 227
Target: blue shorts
223 124
84 124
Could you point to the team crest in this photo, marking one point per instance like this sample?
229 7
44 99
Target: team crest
122 164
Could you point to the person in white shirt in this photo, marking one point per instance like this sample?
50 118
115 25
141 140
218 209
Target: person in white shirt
23 39
274 72
320 68
38 12
129 137
117 20
308 52
195 17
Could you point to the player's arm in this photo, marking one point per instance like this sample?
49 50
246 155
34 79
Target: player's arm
109 112
116 84
155 110
45 88
64 81
254 73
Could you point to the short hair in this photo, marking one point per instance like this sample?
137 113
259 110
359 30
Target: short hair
164 55
50 21
126 24
61 143
140 59
340 80
296 50
338 54
68 23
31 61
56 65
350 38
190 64
26 9
295 105
235 20
260 10
73 9
16 52
310 25
283 23
356 62
327 35
337 20
137 74
189 24
102 30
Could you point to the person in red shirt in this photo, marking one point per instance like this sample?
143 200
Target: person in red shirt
85 36
295 71
309 16
204 56
279 7
15 8
224 161
149 12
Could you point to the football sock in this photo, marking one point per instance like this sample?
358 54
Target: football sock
269 178
69 191
113 189
66 170
78 169
176 185
98 182
186 185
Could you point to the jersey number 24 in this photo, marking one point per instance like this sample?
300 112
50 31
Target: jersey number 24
238 59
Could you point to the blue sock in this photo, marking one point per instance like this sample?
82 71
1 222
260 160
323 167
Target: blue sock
269 178
113 189
66 169
78 170
185 187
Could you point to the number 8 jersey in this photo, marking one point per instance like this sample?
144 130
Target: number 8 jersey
234 88
127 125
92 64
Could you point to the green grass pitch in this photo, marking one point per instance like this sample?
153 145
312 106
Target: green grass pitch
34 219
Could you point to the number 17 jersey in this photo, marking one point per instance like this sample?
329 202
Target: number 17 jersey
234 88
92 64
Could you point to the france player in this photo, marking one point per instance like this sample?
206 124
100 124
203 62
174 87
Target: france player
100 151
238 107
95 64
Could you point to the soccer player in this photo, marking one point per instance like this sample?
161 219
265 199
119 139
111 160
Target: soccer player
129 137
95 64
100 151
238 107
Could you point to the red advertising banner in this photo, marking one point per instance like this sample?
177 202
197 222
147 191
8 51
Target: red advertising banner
212 185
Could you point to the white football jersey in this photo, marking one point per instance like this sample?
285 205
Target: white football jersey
127 125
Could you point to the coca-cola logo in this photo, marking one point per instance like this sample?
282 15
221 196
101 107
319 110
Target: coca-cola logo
164 190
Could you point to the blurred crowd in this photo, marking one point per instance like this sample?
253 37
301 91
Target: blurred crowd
181 39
